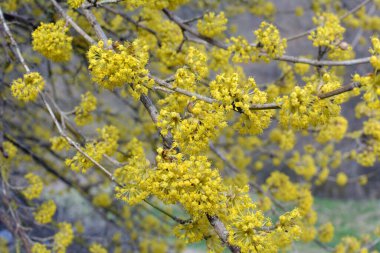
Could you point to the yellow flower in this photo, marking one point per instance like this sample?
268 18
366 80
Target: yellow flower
28 88
97 248
40 248
82 112
102 200
35 186
212 25
75 3
52 41
64 237
341 179
45 212
326 232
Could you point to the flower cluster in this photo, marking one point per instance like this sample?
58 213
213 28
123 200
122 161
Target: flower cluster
75 3
52 41
212 25
303 165
197 62
191 182
64 237
341 179
375 51
34 188
83 111
45 212
124 64
27 88
97 248
329 31
39 248
285 139
326 232
59 143
106 145
133 175
236 95
269 45
269 41
334 130
102 200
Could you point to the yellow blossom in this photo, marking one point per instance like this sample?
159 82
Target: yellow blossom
28 88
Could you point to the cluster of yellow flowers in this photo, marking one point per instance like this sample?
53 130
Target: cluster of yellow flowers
329 32
204 123
45 212
102 200
235 94
133 175
285 139
97 248
59 143
302 108
375 51
303 165
64 237
334 130
75 3
191 182
197 62
124 64
39 248
269 45
9 149
341 179
27 88
212 25
326 232
35 187
269 41
158 4
82 112
106 145
52 41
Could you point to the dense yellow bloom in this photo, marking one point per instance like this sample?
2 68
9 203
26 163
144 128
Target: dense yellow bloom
45 212
329 31
64 237
9 149
82 112
197 62
363 180
97 248
285 139
235 94
34 188
28 88
59 143
334 130
341 179
303 165
102 200
52 41
371 85
191 182
375 51
105 145
269 41
212 25
39 248
132 176
326 232
75 3
281 186
121 66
